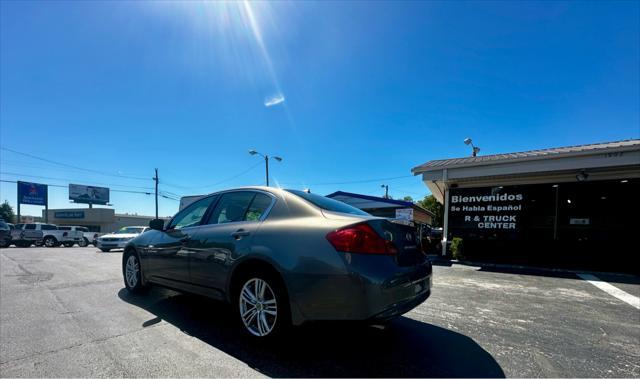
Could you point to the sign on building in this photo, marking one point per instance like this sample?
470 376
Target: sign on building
68 214
486 212
88 194
32 193
404 214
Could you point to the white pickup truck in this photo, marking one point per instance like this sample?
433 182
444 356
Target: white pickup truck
43 234
87 236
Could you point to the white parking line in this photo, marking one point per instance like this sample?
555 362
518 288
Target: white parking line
611 290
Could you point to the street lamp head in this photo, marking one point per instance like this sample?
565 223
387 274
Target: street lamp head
467 141
279 159
253 152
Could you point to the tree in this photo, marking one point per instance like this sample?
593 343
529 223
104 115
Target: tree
408 198
431 204
6 212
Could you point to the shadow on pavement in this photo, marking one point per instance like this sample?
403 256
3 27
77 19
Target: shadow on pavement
404 348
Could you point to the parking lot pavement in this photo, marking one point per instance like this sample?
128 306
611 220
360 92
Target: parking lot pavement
64 312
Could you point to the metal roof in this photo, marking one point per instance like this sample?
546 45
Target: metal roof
368 202
557 152
371 198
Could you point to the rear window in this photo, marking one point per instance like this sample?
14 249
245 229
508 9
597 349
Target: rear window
48 227
328 204
64 228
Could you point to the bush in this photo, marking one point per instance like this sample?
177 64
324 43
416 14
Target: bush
457 248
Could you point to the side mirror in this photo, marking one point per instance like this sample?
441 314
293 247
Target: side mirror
156 224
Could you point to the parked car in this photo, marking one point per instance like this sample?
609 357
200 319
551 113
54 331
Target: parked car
5 234
119 239
432 240
87 236
283 257
43 234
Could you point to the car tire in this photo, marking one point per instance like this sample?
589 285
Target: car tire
264 325
132 272
4 245
50 242
83 242
105 250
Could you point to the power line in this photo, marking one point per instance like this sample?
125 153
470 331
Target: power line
61 186
217 183
72 166
359 181
70 180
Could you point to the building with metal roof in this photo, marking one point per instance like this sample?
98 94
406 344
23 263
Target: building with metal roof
575 197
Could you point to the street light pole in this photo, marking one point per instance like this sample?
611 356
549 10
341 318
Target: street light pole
386 190
474 149
266 162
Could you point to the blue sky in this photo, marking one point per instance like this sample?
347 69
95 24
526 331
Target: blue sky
344 92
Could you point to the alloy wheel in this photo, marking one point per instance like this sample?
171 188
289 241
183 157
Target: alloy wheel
132 270
49 242
258 307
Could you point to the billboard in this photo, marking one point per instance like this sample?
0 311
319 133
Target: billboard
88 194
32 193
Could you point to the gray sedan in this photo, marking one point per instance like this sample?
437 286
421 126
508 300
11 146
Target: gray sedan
283 257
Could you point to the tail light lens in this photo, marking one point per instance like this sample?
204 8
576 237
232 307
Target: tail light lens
360 238
95 235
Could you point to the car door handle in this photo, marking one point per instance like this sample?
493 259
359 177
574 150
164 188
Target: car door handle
240 233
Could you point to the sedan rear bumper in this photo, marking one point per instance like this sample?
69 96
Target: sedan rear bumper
371 288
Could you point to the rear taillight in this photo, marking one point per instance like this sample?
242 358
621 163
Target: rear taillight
360 238
95 236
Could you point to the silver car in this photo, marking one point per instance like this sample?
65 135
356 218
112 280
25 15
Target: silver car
119 238
283 257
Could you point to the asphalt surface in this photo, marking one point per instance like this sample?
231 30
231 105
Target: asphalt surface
64 312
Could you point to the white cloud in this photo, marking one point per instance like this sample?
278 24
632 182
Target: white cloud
274 100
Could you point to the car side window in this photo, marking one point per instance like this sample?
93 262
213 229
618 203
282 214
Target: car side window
30 227
48 227
259 205
191 215
232 207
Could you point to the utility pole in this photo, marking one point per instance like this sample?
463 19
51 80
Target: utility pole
155 179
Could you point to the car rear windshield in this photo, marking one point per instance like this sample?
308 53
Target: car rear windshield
328 204
64 228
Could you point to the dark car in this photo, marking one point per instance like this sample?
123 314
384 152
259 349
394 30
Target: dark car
283 257
5 234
